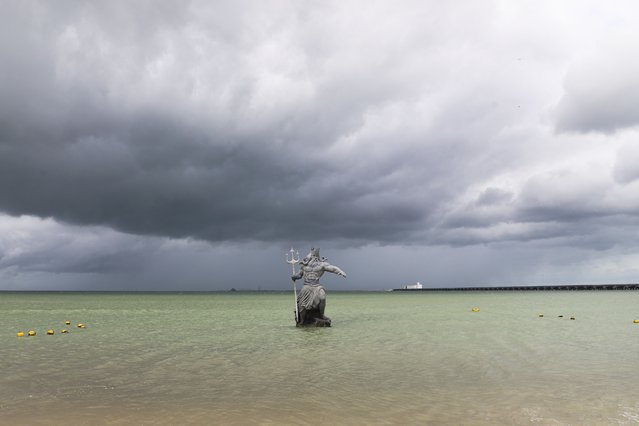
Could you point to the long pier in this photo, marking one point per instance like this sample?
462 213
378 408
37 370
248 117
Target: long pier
575 287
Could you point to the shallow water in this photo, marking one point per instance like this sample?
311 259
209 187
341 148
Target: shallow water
390 358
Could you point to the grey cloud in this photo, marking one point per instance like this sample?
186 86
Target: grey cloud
579 206
40 255
31 245
566 196
88 138
492 195
601 92
269 122
626 168
491 207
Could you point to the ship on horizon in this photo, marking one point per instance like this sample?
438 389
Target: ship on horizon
416 286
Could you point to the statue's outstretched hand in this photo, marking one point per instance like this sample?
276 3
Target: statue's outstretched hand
294 278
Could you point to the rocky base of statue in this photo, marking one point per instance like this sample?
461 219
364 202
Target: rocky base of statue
314 319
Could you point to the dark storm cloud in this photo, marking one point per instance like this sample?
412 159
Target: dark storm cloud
417 123
151 121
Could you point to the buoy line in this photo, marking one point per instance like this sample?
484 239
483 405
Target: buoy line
50 331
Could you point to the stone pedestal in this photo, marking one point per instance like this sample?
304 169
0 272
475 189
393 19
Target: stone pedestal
315 319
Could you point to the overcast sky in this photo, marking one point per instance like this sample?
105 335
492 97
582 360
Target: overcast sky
186 145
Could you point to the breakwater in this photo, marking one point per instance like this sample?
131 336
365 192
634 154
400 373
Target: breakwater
575 287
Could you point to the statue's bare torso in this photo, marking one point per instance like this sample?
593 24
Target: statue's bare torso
315 269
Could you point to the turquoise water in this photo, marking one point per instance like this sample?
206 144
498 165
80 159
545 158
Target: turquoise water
390 358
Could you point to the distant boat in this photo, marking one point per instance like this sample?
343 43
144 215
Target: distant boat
416 286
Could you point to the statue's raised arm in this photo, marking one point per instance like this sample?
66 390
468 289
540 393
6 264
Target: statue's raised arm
334 269
311 300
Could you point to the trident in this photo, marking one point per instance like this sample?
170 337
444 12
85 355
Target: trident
294 258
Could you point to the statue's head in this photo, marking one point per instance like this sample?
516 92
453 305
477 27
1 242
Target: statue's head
312 256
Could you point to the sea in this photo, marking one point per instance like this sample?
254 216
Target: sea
390 358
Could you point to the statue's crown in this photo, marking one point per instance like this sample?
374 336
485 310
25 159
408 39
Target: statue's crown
315 252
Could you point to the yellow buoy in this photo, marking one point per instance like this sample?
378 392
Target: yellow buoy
50 332
20 334
31 333
475 309
64 331
67 322
81 325
636 321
